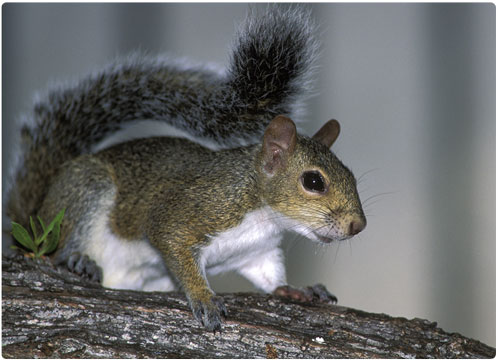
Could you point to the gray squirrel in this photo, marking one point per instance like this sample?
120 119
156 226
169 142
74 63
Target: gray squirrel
160 213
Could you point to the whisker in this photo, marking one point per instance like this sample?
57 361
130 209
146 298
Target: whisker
360 178
377 195
373 202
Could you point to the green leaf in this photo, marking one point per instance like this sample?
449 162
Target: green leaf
57 220
33 228
41 223
50 244
22 236
52 234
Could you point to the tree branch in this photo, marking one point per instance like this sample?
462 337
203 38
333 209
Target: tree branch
52 313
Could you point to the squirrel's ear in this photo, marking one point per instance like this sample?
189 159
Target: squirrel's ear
328 133
278 143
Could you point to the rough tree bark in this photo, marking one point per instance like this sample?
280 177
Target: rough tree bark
52 313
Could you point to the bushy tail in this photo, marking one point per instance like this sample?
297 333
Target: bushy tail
268 73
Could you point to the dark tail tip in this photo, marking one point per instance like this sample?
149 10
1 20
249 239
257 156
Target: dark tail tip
273 55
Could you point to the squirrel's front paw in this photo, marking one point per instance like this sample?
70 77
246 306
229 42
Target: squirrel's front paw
307 294
209 312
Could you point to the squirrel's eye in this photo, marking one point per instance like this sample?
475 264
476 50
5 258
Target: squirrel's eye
313 181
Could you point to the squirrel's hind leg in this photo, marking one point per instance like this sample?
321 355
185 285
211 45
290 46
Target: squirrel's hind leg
85 187
81 187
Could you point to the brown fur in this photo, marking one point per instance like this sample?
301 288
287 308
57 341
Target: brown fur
174 193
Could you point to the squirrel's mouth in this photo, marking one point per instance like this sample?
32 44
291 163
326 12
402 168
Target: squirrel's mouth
330 239
324 239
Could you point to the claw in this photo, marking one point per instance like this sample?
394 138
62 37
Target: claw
209 313
317 292
83 266
323 294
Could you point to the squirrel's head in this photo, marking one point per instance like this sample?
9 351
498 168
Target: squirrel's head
307 185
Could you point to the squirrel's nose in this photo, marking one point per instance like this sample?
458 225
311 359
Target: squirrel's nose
356 225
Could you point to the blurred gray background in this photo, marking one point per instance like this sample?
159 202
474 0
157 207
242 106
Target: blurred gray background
413 86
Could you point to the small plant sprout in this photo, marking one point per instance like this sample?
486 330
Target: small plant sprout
39 244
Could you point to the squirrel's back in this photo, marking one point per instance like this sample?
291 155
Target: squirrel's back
268 73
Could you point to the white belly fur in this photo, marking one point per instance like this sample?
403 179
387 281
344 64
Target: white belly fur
229 249
126 264
251 248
